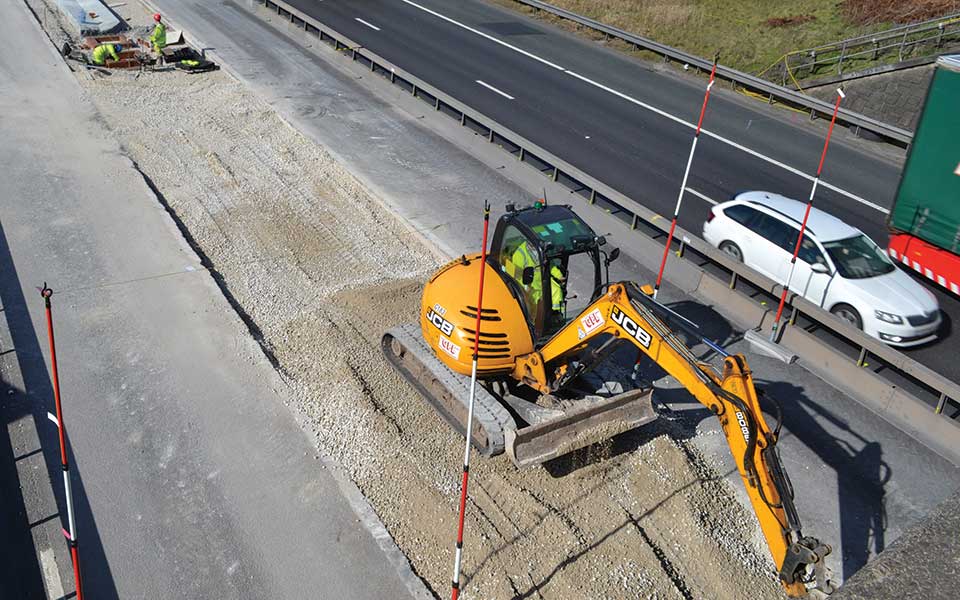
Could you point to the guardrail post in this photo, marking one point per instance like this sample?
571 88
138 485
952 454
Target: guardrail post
733 280
556 171
463 119
633 223
903 41
793 315
876 48
490 137
941 403
521 154
939 34
843 50
436 104
393 76
862 359
593 196
414 90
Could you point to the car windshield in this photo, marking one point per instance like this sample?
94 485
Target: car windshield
858 258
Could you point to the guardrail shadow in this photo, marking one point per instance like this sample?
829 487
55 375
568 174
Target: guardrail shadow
38 395
19 565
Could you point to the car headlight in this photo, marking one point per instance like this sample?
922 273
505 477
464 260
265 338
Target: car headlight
888 317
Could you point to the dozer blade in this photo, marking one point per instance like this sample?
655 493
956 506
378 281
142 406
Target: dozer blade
447 391
580 427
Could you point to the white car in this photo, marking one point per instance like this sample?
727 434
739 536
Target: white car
838 267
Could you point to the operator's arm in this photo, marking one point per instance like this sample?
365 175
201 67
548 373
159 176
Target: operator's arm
625 312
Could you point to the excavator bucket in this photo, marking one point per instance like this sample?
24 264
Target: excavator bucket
578 428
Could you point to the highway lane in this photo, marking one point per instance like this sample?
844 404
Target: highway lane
626 123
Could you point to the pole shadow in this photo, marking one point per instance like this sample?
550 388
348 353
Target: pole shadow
38 397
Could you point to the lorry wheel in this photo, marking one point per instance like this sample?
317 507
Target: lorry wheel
848 314
732 250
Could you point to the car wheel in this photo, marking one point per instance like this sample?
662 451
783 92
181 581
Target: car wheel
732 250
849 314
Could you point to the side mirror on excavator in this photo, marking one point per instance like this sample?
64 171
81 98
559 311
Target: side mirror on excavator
614 255
527 277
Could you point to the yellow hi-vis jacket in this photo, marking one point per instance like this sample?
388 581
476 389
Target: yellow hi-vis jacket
522 259
101 52
158 39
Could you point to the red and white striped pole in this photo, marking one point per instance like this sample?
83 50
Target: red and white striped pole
686 174
473 393
806 214
57 419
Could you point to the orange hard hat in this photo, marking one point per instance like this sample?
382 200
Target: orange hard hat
156 17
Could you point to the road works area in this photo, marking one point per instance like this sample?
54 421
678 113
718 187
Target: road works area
319 267
322 269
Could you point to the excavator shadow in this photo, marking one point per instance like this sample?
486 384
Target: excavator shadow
854 462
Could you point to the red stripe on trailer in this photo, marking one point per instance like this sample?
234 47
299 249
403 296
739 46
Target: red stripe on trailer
936 264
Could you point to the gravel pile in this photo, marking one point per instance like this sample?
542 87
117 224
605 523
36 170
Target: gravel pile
323 269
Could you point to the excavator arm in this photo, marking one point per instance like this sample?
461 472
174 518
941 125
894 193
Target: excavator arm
625 311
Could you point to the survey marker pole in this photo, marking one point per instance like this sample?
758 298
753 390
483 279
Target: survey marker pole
686 174
806 215
71 532
473 394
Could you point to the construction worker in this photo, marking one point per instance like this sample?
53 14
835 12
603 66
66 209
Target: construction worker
521 259
158 39
102 52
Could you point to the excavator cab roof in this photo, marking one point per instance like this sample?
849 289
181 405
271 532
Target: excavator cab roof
555 228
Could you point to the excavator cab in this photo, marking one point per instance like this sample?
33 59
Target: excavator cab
551 260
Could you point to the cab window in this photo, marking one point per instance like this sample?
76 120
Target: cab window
810 253
514 255
741 214
776 231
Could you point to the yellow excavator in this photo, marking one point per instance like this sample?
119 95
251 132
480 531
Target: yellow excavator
540 346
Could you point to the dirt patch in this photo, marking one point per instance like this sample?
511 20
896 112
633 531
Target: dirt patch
896 11
323 269
789 21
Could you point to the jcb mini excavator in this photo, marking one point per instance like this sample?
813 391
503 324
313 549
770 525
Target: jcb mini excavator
537 347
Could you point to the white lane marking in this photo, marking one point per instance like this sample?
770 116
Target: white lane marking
654 109
493 89
482 34
726 141
370 25
51 575
701 196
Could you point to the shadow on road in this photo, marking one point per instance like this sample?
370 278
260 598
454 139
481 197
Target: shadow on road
37 400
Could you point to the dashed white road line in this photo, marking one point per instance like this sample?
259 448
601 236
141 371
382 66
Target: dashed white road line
485 35
708 199
493 89
654 109
370 25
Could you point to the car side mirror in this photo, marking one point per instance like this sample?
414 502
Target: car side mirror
614 255
820 268
527 276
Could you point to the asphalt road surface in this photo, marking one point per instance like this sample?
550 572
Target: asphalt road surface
192 478
627 123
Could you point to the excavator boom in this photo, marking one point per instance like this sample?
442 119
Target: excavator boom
626 311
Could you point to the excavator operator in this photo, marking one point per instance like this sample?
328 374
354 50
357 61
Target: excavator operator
523 258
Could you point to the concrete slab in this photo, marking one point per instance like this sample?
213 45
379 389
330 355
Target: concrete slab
91 17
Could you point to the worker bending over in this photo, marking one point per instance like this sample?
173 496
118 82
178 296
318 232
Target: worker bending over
102 52
158 39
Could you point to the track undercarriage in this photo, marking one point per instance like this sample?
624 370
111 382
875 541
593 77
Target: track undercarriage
530 430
